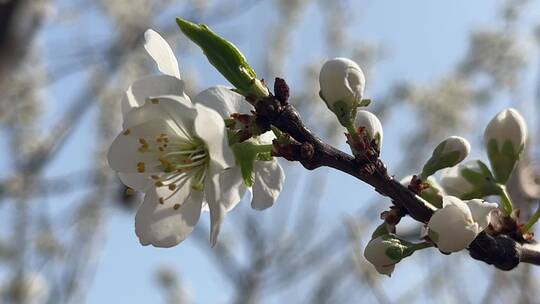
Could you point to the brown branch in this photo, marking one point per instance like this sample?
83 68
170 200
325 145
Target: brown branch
303 146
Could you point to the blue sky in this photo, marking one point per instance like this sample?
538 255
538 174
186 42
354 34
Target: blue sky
423 40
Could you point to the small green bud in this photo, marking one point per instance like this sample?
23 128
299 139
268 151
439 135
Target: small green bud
448 153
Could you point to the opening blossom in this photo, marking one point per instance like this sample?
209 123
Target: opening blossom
458 223
178 153
174 151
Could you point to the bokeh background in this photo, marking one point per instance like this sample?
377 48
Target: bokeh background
434 68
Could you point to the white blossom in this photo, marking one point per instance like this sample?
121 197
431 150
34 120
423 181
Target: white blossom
173 150
458 223
341 79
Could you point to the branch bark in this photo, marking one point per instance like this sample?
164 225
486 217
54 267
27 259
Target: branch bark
501 251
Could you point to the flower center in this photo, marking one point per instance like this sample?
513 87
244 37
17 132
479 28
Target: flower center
181 162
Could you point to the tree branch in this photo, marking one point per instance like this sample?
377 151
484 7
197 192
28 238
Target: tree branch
303 146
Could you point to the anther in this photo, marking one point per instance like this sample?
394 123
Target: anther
176 206
130 191
126 132
140 167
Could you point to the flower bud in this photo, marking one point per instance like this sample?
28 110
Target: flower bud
458 223
448 153
384 252
342 87
469 180
504 138
371 126
225 57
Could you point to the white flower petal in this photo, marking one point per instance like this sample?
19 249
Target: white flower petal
481 212
232 187
454 225
266 138
177 110
217 210
269 178
209 126
124 154
137 181
150 86
224 101
161 225
162 53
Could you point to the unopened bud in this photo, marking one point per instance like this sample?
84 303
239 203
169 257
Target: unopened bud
342 88
371 126
504 138
448 153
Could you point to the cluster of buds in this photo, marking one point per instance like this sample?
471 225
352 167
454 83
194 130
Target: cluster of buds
342 85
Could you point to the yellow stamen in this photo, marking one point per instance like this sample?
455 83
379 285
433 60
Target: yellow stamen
140 167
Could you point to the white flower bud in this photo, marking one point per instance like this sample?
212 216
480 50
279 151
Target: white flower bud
448 153
371 124
384 252
341 79
458 223
508 125
455 144
468 180
505 138
342 87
